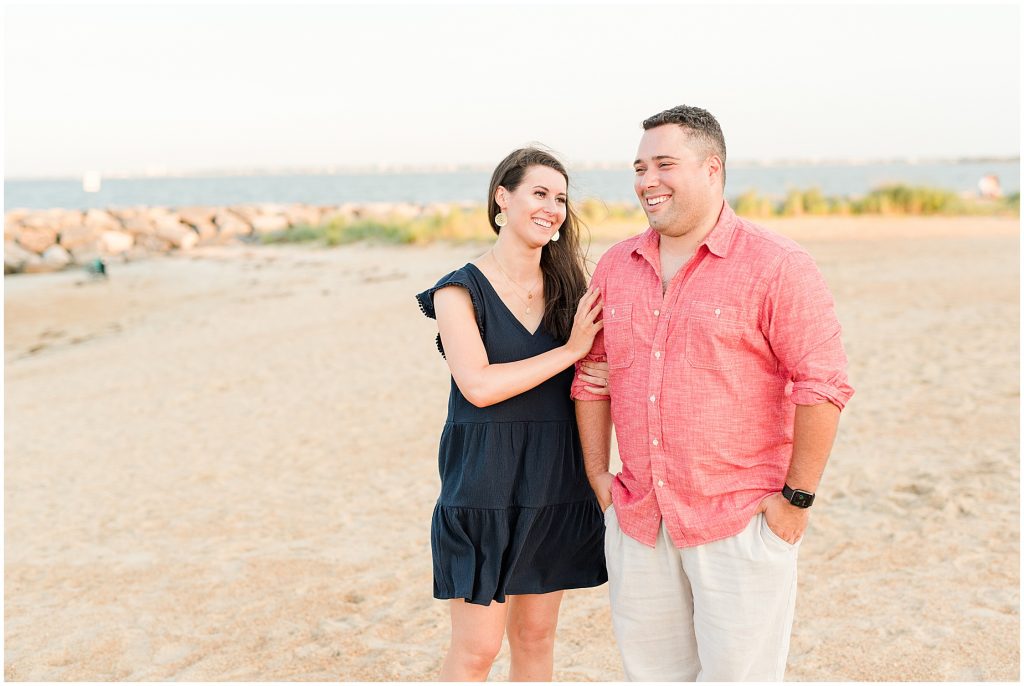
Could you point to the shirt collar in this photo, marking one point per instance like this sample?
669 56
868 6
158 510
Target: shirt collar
718 240
647 243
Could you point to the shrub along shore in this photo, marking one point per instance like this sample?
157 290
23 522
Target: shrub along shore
49 240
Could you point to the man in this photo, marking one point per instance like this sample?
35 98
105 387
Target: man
727 376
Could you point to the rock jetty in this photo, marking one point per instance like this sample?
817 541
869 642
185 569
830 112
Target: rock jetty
49 240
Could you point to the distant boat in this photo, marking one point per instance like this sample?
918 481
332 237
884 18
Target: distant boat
91 181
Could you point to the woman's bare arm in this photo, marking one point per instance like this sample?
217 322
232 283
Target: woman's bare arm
483 383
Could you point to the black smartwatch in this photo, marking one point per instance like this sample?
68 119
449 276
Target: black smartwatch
796 497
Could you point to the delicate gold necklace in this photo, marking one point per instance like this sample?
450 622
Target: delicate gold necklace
512 282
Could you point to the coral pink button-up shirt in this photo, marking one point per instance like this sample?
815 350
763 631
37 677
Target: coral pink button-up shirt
704 379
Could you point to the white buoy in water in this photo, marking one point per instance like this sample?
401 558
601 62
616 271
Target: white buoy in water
91 181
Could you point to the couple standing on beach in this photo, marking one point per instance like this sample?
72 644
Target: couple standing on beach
713 347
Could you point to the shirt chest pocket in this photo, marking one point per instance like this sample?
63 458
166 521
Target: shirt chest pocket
618 335
714 336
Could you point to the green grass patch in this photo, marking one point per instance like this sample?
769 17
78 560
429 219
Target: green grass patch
448 223
891 200
457 223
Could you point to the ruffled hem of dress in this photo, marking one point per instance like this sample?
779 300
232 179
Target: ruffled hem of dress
483 555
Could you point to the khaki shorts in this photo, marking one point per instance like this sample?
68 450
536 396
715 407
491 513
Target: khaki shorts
722 611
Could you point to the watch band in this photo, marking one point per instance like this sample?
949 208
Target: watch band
796 497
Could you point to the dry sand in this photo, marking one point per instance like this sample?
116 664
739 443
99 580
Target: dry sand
222 466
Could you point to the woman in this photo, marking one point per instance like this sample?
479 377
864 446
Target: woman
516 523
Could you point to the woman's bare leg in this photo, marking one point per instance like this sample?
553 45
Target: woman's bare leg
531 624
476 639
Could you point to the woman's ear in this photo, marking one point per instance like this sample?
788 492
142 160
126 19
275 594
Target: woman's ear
501 197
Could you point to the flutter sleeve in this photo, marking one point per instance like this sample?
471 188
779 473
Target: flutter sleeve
461 278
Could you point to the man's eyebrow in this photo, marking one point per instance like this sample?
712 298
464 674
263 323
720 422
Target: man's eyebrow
656 158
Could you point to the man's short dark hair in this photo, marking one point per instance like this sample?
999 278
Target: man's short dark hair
703 128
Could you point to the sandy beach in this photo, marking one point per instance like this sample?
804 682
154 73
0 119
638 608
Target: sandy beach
221 465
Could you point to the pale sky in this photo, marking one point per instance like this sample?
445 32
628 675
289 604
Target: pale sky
191 88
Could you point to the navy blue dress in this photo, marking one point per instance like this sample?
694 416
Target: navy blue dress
516 513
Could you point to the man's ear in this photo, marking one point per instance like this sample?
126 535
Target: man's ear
715 169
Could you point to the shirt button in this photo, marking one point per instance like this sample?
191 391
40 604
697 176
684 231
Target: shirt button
655 441
660 482
657 312
657 354
717 311
613 311
652 398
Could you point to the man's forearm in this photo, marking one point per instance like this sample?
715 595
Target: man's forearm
814 430
594 418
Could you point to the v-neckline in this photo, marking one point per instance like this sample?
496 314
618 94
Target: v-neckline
504 305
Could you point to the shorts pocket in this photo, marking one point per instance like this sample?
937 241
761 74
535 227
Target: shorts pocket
714 336
618 335
611 528
767 533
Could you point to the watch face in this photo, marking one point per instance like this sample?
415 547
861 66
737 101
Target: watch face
802 499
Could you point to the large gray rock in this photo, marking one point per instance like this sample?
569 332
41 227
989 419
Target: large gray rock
16 215
56 257
16 257
35 220
230 224
67 218
245 212
177 234
12 227
55 219
116 242
76 236
303 215
206 231
123 213
139 225
101 220
201 221
194 215
271 208
37 238
126 214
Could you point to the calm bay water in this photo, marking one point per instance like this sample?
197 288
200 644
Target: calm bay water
607 185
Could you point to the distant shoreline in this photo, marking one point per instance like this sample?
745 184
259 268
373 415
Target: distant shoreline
389 169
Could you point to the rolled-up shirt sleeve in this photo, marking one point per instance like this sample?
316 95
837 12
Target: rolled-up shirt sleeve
800 322
597 353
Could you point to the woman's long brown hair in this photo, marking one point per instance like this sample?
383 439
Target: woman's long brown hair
561 261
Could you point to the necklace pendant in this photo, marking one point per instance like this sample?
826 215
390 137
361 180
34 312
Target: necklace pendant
529 296
527 310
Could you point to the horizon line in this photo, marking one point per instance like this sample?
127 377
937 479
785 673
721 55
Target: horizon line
388 168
